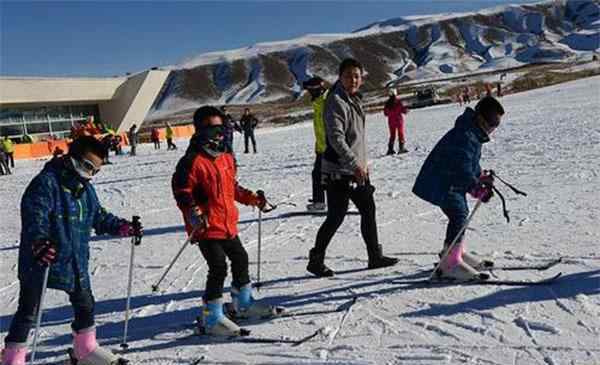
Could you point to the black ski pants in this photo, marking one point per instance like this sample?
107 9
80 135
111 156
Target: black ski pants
170 144
81 300
249 136
339 194
10 157
318 191
215 252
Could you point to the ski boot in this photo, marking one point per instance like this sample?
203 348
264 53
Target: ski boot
316 265
390 150
86 350
453 268
471 260
245 307
14 354
401 148
377 260
316 207
477 263
215 323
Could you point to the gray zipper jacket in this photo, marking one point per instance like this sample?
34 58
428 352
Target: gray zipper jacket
345 131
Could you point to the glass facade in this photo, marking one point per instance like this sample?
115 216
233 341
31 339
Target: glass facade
43 121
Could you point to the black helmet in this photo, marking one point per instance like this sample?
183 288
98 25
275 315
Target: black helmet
205 112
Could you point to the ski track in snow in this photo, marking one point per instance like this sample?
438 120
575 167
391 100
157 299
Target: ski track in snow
548 146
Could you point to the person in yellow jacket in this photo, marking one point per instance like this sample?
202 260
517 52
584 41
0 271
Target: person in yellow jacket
169 136
9 149
318 92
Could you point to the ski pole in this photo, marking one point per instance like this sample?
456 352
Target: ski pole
258 283
187 242
39 314
456 239
136 240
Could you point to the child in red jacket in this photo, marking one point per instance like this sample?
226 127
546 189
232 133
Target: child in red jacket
205 188
395 110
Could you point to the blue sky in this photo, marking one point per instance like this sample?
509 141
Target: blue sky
111 38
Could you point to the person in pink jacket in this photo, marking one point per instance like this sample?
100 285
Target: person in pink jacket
395 110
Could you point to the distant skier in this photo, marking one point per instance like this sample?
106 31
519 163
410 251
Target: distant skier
229 125
318 94
205 189
248 123
169 137
394 110
345 170
155 137
9 148
59 209
133 139
451 171
466 95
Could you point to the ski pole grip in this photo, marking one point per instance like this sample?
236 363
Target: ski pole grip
137 225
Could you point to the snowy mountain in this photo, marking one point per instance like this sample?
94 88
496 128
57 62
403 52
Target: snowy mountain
392 51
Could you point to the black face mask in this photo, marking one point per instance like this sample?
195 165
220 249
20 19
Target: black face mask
211 137
315 92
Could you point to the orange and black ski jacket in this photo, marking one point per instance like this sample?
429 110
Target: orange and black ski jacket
210 184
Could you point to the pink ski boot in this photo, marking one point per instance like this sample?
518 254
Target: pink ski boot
454 268
87 351
14 354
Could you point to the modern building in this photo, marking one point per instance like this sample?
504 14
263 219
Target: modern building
43 107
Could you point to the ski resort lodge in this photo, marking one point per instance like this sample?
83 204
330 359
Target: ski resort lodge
47 108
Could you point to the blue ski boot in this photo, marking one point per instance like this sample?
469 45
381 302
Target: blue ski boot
247 308
215 322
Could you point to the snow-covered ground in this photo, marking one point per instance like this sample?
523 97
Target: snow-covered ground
548 146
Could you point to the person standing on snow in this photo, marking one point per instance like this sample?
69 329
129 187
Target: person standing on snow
133 139
9 148
169 137
318 94
205 188
59 209
248 122
155 137
229 126
450 172
394 110
345 170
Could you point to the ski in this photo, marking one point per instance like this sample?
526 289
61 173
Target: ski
72 360
533 267
341 308
246 337
311 213
506 282
499 282
538 267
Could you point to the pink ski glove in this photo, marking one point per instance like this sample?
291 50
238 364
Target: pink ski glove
127 230
482 192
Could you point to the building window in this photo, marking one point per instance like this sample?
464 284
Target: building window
44 121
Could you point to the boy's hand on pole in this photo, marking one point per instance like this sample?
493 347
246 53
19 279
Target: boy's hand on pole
44 251
261 200
198 220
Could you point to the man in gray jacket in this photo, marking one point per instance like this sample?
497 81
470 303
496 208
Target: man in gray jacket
345 172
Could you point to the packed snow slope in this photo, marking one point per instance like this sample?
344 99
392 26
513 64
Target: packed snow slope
548 145
394 50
